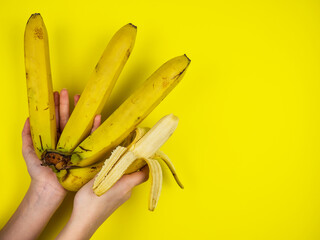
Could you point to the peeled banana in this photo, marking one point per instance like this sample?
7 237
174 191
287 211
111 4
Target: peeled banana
143 149
78 156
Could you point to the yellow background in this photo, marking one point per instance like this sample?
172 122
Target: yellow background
247 145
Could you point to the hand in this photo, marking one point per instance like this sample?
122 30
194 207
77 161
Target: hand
40 175
90 211
45 193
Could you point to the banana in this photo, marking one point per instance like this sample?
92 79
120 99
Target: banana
130 113
73 179
146 148
98 88
39 85
77 158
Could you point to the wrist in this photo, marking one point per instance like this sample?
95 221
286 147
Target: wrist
47 192
33 213
79 228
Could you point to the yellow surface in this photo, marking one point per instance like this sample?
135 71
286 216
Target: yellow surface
247 146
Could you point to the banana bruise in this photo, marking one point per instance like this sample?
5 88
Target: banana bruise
39 85
98 88
130 113
145 149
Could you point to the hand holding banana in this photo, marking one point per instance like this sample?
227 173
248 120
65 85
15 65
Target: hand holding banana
77 157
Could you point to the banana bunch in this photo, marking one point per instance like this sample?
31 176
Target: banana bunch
77 157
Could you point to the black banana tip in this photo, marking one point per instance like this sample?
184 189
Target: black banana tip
133 25
187 57
33 16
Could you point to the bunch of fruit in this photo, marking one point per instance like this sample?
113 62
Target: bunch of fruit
117 146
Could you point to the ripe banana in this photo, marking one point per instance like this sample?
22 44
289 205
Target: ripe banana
39 85
124 119
143 149
77 158
98 88
73 179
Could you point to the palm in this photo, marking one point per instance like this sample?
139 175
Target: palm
38 173
44 175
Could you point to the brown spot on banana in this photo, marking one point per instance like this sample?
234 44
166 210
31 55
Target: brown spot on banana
65 176
180 73
165 83
40 140
38 33
128 53
87 150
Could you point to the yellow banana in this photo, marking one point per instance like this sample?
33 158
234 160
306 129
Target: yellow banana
144 148
78 158
39 85
124 119
98 88
74 179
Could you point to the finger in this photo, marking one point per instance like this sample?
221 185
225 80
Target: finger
26 135
96 123
27 145
56 105
139 177
76 99
64 111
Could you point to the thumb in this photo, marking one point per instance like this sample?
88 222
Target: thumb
27 145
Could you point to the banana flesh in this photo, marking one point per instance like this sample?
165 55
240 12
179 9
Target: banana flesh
115 156
39 85
147 149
